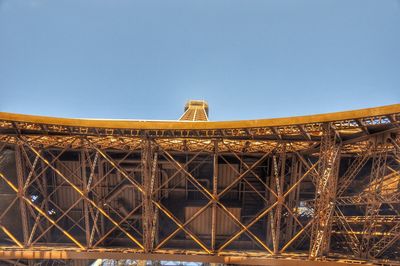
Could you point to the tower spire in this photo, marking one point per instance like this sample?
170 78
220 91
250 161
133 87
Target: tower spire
195 110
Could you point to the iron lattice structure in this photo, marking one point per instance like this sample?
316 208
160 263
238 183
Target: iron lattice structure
285 191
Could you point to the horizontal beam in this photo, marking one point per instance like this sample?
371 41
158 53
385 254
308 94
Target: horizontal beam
241 259
199 125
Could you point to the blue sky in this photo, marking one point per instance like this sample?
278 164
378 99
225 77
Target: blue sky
248 59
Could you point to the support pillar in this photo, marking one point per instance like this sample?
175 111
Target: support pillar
85 203
215 194
279 167
149 171
374 189
325 193
21 193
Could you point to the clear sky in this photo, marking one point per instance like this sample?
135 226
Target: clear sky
248 59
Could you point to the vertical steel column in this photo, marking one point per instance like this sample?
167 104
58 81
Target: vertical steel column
100 192
44 184
269 218
280 199
153 185
85 203
146 173
325 192
215 195
279 175
292 198
149 171
21 193
374 190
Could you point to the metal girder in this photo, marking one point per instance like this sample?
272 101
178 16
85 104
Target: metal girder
15 123
373 203
351 238
215 194
275 217
21 193
241 258
353 170
325 192
149 175
386 241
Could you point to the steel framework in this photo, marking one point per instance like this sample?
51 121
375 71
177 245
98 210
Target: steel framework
298 190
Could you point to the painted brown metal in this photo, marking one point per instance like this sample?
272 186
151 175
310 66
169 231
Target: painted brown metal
299 190
204 125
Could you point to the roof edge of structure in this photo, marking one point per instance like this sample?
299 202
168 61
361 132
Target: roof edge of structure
203 125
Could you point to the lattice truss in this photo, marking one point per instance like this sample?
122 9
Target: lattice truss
307 191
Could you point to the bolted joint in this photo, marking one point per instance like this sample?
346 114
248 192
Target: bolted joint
280 199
